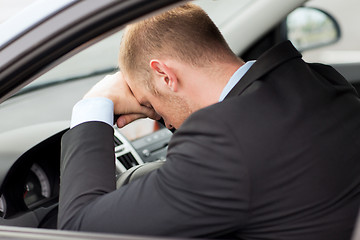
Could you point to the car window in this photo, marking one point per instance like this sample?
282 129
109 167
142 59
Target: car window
51 97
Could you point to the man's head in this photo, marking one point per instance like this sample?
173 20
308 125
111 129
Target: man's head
168 47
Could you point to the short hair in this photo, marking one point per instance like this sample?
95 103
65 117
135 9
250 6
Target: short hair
185 33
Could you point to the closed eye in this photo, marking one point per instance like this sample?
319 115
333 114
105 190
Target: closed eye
146 104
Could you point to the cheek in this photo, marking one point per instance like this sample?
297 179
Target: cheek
167 113
164 111
173 109
158 107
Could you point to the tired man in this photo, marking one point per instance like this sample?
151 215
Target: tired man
267 149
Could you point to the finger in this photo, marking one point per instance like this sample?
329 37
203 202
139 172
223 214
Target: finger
124 120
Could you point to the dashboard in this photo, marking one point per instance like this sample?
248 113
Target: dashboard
30 165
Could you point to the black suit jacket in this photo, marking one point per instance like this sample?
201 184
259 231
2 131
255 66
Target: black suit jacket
277 159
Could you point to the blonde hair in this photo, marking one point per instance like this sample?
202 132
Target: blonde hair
185 33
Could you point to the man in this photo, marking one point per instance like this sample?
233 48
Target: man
263 150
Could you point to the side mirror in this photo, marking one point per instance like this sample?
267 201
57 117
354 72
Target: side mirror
309 28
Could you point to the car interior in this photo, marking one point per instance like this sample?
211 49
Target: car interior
38 114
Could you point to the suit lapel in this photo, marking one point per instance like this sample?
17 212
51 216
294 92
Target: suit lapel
266 62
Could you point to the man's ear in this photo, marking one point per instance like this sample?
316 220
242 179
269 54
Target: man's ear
165 73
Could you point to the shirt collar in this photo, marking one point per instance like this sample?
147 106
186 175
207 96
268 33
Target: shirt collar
235 78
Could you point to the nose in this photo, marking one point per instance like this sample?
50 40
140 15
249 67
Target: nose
171 128
168 126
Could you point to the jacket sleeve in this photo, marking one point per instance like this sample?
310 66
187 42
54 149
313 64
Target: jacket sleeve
196 193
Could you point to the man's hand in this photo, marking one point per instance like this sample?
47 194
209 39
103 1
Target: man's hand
115 88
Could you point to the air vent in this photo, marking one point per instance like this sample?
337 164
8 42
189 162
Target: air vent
127 160
117 141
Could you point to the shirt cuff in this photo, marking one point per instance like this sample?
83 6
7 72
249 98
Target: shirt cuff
93 109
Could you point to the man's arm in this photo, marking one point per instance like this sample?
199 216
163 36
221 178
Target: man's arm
87 169
178 199
92 119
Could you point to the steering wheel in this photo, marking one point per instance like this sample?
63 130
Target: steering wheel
137 172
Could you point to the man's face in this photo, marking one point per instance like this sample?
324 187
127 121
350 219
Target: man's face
171 107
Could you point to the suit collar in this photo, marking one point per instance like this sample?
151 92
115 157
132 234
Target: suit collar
266 62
